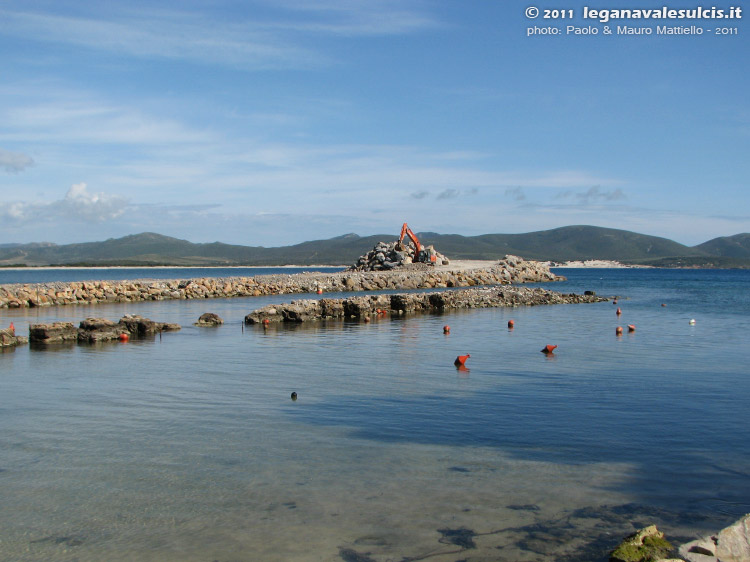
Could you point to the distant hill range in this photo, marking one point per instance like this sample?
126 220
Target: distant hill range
559 245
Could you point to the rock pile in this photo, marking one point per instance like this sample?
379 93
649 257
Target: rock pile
384 257
372 305
509 270
94 330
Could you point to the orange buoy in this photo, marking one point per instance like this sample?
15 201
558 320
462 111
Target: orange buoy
12 329
549 348
124 337
446 329
618 312
631 328
618 331
461 360
266 322
320 291
664 304
511 324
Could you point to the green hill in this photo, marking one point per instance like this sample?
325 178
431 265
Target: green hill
559 244
562 244
737 246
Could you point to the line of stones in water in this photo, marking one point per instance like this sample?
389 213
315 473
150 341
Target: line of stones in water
370 305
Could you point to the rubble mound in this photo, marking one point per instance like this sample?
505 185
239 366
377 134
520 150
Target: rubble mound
385 256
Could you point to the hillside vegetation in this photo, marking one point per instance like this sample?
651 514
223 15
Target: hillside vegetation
559 244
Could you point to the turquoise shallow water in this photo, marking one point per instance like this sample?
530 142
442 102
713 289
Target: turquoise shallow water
188 447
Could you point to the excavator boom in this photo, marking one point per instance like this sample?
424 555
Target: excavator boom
406 231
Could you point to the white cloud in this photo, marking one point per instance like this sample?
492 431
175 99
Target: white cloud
14 162
78 205
97 207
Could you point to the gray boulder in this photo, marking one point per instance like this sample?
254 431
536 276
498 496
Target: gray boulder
209 319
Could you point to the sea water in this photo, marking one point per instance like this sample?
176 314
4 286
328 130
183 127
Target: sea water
188 446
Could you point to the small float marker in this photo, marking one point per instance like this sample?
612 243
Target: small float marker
124 337
549 349
618 331
294 396
12 329
692 321
664 304
511 324
320 291
461 360
266 321
446 329
618 312
631 328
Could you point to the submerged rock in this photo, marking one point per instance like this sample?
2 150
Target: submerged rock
646 545
209 319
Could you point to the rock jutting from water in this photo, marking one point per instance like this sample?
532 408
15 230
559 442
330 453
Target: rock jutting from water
93 330
509 270
8 338
439 301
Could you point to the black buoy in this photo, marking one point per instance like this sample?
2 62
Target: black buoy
294 396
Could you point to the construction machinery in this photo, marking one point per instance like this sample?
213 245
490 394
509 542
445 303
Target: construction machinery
406 231
421 254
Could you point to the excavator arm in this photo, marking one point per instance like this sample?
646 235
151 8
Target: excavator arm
406 231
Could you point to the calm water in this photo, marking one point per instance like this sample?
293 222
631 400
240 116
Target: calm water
188 447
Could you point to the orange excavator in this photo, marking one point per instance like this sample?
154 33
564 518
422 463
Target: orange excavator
421 254
406 231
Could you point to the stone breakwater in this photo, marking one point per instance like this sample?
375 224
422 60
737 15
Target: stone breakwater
438 301
509 270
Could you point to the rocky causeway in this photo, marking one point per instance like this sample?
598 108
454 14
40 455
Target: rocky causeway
415 276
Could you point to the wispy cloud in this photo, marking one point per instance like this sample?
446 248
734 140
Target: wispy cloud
516 193
277 35
14 162
594 195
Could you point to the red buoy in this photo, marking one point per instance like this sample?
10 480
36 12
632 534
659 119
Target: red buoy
631 328
618 331
461 360
446 329
618 312
124 337
511 324
12 329
266 322
320 291
549 349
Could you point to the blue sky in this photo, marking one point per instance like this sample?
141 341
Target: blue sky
275 122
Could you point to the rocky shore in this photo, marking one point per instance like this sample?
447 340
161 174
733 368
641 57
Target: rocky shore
438 301
417 276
